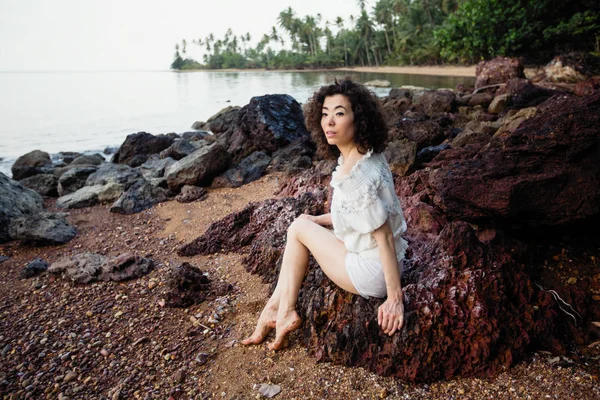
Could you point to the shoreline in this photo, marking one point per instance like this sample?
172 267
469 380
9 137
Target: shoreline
451 70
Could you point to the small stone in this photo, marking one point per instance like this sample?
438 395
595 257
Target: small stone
152 284
384 393
179 376
118 314
572 280
104 352
71 376
44 340
89 314
596 297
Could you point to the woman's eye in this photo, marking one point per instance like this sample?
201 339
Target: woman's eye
323 115
340 114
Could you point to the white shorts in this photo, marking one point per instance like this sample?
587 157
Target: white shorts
366 275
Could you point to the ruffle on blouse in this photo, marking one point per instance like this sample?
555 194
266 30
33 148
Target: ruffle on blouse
337 179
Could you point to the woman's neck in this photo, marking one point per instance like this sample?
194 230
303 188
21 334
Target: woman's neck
348 151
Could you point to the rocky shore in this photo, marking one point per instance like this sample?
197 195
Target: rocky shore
129 278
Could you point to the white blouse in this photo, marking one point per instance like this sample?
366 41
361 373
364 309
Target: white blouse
364 200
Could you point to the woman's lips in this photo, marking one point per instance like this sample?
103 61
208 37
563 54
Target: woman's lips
330 133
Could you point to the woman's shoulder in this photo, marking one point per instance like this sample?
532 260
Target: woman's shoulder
368 171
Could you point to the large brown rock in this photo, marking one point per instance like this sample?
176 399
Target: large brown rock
137 147
546 172
498 70
438 101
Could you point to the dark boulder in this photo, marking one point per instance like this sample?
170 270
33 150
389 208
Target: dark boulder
428 153
198 135
498 70
587 87
524 94
44 184
42 229
89 159
249 169
546 172
155 166
74 179
199 168
295 157
139 197
16 201
188 285
139 146
33 163
67 157
424 133
266 124
36 267
108 173
401 155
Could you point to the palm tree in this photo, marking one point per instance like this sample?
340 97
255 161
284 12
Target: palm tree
339 22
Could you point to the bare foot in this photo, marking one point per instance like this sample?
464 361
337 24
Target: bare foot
266 323
286 324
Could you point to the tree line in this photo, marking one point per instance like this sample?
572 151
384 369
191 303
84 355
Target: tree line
409 32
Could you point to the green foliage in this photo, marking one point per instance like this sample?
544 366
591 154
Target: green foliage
482 29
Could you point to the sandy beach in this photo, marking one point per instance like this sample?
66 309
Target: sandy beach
418 70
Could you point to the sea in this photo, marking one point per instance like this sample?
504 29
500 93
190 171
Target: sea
92 111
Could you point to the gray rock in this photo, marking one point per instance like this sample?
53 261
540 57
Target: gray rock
3 258
33 163
42 229
44 184
114 173
67 157
197 135
378 83
36 267
199 168
75 178
87 196
295 157
140 196
400 93
221 121
401 155
181 148
16 201
499 104
89 267
90 159
155 166
249 169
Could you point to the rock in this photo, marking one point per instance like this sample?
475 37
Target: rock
91 159
33 163
221 121
191 193
16 201
67 157
187 285
199 168
110 150
109 173
438 101
266 124
536 174
70 376
400 155
139 146
140 196
88 267
74 179
269 391
179 376
295 157
378 83
475 133
587 87
42 229
155 167
44 184
524 94
428 153
36 267
87 196
198 135
400 93
394 109
499 104
559 70
249 169
513 119
498 70
181 148
480 99
3 258
424 133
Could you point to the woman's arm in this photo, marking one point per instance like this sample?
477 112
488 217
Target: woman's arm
323 220
390 314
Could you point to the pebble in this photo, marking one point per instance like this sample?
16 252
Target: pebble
152 284
572 280
89 314
6 349
179 376
71 376
104 352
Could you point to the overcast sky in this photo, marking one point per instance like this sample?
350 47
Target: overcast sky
82 35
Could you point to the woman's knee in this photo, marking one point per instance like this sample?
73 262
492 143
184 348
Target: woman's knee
298 226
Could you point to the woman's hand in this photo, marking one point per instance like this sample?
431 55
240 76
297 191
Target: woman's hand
311 218
390 315
323 220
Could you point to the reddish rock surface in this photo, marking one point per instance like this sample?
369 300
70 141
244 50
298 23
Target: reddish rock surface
498 70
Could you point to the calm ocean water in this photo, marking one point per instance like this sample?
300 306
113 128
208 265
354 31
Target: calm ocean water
89 111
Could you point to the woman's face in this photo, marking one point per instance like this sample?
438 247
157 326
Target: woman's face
337 120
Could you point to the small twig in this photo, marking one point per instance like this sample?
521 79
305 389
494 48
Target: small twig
488 87
559 300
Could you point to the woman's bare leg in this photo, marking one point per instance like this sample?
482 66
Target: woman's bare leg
280 313
330 253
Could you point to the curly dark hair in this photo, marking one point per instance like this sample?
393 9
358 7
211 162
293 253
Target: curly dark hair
370 127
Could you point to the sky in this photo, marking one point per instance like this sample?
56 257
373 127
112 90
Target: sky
97 35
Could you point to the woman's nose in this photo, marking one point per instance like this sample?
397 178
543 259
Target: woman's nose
330 121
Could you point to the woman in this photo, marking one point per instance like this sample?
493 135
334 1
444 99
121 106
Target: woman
363 253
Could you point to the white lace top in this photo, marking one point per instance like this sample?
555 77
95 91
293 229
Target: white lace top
364 200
